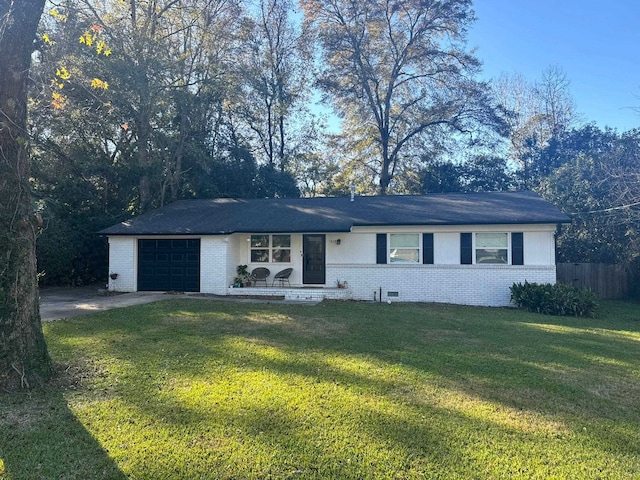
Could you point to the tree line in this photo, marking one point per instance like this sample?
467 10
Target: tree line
211 98
136 104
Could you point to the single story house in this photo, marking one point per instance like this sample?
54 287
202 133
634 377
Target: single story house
452 248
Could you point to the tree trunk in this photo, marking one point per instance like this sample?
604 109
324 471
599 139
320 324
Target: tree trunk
144 156
175 170
385 174
24 360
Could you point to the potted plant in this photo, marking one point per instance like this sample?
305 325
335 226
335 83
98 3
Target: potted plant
341 284
242 276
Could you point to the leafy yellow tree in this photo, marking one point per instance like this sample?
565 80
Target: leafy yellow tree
91 39
163 54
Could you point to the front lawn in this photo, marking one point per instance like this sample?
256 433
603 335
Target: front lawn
199 389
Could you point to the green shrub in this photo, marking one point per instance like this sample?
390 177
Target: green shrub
554 299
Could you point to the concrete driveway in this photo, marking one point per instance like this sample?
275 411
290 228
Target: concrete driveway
58 303
65 302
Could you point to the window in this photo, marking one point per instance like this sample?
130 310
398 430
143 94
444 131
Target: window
281 252
259 248
404 248
270 248
492 248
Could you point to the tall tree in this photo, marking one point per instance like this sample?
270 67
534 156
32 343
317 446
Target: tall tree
165 64
398 70
24 360
274 81
540 113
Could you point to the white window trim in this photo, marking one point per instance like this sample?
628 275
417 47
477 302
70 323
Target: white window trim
419 234
270 249
475 247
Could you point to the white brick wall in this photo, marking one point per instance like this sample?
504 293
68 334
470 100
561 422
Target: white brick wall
123 260
460 284
215 263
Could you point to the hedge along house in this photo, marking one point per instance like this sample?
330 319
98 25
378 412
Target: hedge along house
452 248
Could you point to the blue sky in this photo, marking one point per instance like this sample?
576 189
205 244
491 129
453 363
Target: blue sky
596 43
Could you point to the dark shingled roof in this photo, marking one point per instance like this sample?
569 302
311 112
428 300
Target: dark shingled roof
222 216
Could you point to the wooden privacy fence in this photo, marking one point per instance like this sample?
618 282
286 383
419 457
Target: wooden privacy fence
606 280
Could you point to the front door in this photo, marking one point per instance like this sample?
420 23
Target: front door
313 255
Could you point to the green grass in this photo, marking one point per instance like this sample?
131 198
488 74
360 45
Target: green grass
189 389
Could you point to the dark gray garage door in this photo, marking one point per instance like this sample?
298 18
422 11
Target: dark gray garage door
169 265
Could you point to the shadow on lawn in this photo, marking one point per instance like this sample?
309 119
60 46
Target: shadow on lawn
40 438
505 358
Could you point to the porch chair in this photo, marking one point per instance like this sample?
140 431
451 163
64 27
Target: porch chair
282 276
260 275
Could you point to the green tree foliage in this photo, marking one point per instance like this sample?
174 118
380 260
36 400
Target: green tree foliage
220 177
480 173
166 76
441 177
316 174
398 72
79 190
487 173
597 185
162 131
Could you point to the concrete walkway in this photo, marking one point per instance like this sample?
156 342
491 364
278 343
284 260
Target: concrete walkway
60 302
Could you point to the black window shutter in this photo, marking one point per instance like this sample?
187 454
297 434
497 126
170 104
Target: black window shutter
517 248
427 248
381 248
466 249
